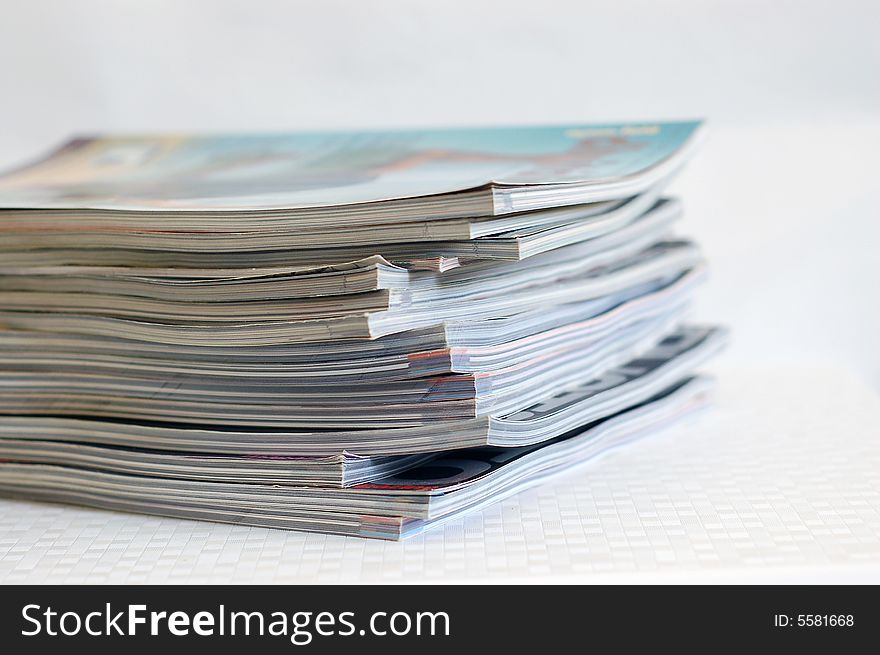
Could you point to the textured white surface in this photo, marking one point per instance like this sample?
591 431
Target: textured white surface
780 481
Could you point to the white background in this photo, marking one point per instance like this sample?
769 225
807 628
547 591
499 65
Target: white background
784 196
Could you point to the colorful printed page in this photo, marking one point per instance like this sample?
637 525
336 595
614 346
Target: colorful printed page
181 172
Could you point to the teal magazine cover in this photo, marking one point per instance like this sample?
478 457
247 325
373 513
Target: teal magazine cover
188 172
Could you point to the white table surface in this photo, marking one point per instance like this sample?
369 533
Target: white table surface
780 481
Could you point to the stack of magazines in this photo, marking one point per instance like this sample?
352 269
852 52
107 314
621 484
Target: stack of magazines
359 333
